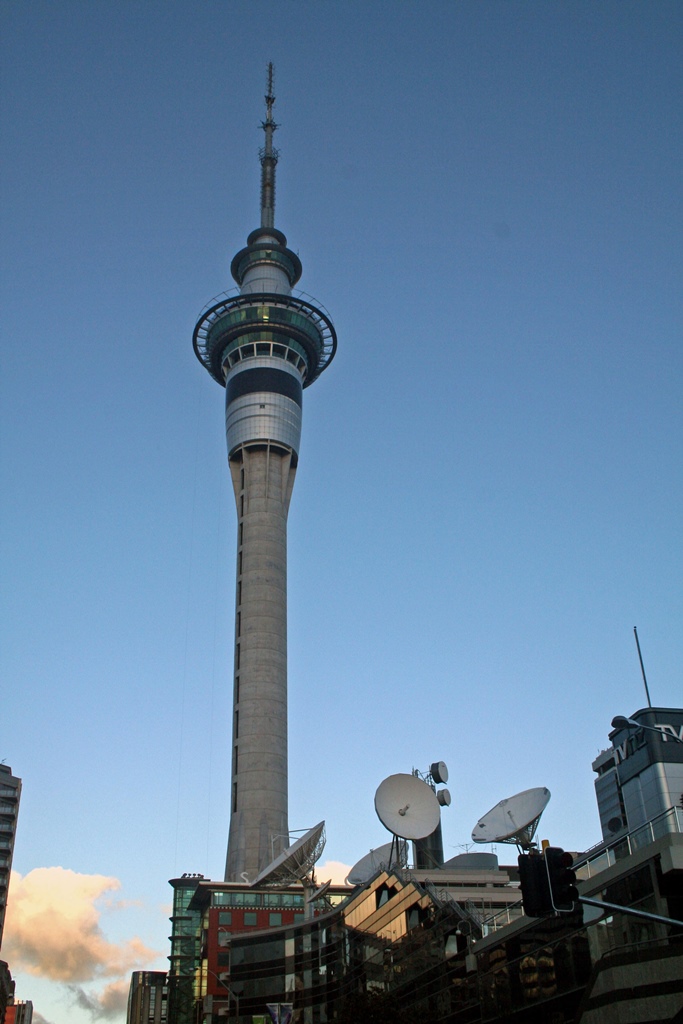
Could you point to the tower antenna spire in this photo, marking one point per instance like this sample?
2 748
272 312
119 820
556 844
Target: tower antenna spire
268 156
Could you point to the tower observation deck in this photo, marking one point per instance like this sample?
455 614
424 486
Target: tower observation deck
265 346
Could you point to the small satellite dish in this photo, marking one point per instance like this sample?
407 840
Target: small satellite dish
439 772
378 860
311 897
513 820
614 824
294 863
407 806
444 797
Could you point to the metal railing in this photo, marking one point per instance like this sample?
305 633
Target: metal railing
592 863
667 823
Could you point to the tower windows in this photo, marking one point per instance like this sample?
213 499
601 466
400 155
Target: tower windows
234 797
237 724
238 629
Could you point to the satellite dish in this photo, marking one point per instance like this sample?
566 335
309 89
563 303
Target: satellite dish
294 863
444 797
407 806
311 897
378 860
513 820
439 771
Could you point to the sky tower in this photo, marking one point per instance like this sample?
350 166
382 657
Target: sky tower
263 346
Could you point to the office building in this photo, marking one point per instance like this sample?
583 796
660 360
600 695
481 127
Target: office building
264 346
10 794
640 776
147 998
20 1012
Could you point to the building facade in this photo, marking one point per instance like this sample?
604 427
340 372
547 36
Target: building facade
19 1012
640 775
264 346
10 795
417 949
148 998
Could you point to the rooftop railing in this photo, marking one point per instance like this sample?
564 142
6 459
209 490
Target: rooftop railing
667 823
593 862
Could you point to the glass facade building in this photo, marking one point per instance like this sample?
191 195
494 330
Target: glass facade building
405 949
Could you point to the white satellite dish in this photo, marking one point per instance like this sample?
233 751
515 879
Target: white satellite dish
294 863
439 771
381 859
513 820
444 797
311 897
407 806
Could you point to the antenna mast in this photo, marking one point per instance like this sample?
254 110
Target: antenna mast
268 156
642 667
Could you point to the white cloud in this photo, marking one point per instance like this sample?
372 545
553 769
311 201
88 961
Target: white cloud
53 928
333 869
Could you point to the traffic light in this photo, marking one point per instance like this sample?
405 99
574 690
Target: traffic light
533 881
561 879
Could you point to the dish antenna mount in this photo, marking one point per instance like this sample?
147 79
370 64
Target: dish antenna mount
296 862
513 820
407 806
383 858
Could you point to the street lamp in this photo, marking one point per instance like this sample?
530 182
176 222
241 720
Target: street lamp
620 722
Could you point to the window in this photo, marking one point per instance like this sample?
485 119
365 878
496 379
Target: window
250 918
234 796
274 918
237 724
225 917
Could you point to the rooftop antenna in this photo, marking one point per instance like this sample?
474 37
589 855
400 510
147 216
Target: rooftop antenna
513 820
268 156
642 667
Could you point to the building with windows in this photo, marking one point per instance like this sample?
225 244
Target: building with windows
10 795
147 998
640 775
420 950
20 1012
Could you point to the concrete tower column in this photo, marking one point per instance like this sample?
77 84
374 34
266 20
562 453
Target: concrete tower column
262 478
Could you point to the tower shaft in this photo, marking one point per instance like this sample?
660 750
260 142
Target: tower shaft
263 478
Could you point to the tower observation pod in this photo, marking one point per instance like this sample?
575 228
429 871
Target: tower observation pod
264 346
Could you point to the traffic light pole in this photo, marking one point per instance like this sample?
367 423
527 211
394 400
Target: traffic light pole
547 883
628 910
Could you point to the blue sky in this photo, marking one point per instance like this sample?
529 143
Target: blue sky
487 199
